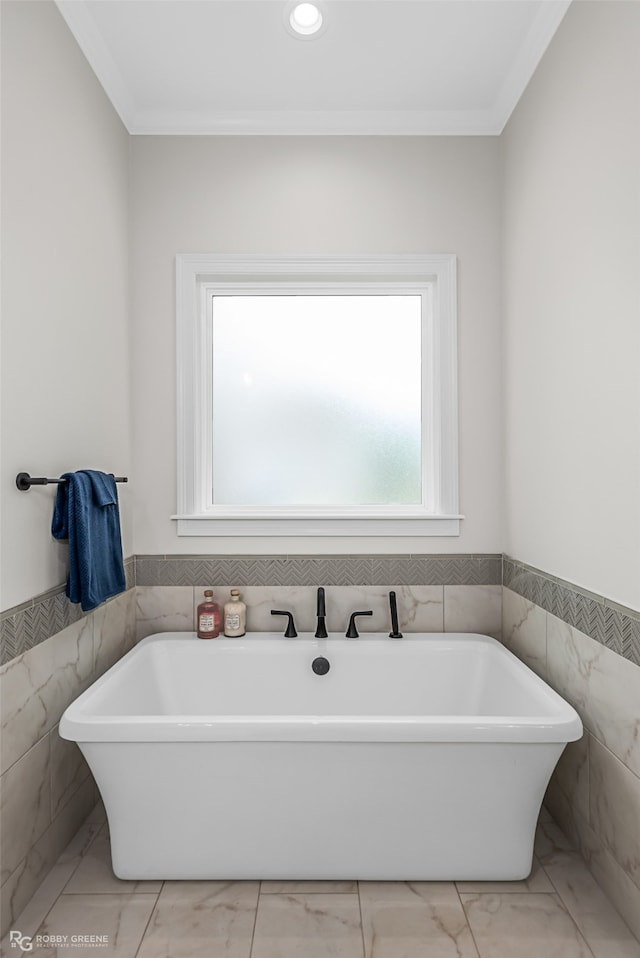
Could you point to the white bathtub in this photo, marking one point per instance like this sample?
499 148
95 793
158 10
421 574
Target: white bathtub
421 758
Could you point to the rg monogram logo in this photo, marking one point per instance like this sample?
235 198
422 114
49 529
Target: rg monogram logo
18 940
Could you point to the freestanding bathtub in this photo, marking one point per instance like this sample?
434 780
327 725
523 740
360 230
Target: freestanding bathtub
421 758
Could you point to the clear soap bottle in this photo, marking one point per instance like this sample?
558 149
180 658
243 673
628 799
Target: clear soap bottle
235 615
208 620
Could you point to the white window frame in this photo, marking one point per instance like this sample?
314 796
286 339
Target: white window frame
199 276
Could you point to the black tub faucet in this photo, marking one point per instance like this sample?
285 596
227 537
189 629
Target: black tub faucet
321 629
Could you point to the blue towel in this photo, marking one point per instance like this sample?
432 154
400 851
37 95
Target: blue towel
86 513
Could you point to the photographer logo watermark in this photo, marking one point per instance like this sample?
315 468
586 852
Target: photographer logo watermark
29 943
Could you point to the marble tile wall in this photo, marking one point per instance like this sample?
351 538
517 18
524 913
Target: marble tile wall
594 794
427 608
437 593
46 788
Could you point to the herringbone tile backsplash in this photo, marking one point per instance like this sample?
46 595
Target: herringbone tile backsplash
325 570
30 626
26 625
612 625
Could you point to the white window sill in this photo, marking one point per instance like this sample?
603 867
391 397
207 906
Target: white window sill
203 525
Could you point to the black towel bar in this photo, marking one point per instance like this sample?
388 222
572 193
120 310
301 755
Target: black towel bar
24 481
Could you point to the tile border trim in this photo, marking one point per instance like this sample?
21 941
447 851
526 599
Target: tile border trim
612 625
343 570
26 625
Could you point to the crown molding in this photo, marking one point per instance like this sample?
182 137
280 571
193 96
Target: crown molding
318 123
88 37
540 34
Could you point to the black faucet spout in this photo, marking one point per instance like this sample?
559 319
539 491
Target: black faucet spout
321 629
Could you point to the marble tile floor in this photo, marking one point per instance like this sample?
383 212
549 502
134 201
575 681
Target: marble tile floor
558 912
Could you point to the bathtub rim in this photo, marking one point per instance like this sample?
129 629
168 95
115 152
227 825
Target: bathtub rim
80 725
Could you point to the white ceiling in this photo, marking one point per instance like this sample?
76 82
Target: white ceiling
381 67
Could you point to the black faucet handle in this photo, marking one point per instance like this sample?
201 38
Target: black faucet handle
352 632
290 632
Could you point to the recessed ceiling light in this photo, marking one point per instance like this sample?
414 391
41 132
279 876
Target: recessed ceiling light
304 20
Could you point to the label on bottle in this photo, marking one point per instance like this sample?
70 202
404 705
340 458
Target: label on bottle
232 622
206 622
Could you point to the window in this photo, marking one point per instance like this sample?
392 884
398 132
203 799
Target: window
316 395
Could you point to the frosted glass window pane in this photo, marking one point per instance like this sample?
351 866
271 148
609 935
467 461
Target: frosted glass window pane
317 400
